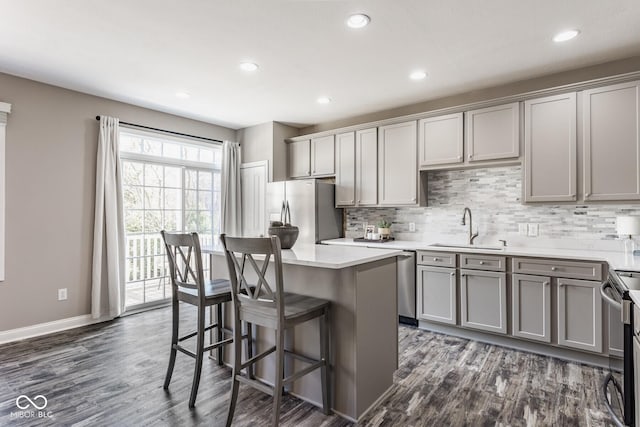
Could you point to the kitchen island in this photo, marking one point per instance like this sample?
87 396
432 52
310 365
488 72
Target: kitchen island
361 285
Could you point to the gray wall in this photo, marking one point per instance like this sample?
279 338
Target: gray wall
51 145
266 142
513 88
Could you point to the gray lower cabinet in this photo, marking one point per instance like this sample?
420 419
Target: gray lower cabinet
483 300
580 314
437 296
531 305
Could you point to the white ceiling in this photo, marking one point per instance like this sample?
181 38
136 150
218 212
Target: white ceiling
144 51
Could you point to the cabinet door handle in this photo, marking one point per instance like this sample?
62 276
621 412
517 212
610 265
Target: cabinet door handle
463 275
452 274
481 262
560 284
352 201
545 284
413 199
470 156
308 172
587 194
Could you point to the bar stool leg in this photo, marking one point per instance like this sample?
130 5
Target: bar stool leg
174 341
199 355
237 363
324 355
277 391
220 333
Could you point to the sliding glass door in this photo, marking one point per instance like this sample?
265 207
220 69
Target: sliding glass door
176 191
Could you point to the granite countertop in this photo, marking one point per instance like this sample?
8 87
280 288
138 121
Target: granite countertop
325 256
616 260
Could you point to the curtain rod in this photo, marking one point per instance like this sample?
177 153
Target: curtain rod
166 131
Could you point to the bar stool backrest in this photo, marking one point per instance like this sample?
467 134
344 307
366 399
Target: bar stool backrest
185 261
239 252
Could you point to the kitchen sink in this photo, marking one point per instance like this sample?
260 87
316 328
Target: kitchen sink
463 246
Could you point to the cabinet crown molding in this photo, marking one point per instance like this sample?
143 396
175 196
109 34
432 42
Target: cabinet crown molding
578 86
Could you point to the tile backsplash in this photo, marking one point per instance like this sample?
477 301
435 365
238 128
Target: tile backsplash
494 197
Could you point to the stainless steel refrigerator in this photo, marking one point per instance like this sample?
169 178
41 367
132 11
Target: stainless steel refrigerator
311 205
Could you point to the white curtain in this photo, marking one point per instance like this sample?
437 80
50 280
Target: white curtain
230 182
107 290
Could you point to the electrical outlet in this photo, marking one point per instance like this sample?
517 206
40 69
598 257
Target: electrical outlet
522 229
412 226
62 294
533 230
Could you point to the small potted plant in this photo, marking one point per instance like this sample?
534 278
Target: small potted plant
384 229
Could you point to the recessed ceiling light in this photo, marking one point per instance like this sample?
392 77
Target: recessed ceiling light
358 20
248 66
563 36
324 100
182 95
417 75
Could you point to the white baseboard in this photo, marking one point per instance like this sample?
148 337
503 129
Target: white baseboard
47 328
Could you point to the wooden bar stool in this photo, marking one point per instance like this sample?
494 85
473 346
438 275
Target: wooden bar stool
262 305
189 286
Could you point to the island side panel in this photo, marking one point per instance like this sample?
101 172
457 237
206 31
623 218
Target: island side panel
376 331
337 286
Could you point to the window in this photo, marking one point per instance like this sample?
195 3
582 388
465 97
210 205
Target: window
168 183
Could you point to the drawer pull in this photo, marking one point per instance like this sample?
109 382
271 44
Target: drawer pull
481 262
554 268
436 259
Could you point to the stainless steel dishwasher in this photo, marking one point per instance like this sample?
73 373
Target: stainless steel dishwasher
406 277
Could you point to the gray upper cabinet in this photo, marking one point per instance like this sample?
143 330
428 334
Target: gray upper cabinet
299 159
397 164
550 149
437 296
580 314
323 156
483 300
611 120
440 140
357 168
346 169
493 133
531 307
367 167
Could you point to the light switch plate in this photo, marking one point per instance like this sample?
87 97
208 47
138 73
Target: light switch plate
62 294
522 229
533 229
412 226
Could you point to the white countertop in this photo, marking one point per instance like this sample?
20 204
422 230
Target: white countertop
326 256
616 260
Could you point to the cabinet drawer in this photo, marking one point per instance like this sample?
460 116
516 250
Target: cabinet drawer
483 262
636 321
437 259
548 267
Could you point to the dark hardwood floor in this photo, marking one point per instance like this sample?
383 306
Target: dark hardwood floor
111 374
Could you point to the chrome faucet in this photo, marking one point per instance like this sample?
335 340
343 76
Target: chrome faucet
463 222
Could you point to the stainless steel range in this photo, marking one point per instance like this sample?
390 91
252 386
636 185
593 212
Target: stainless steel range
619 392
